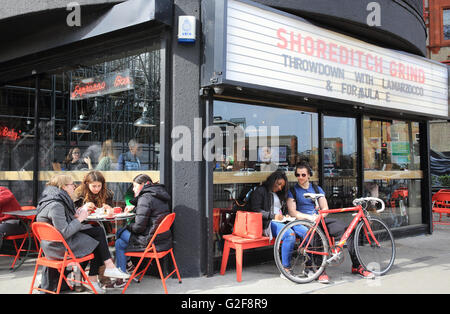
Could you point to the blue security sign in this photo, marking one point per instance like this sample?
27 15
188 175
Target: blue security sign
186 28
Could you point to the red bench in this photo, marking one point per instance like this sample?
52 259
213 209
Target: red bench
240 244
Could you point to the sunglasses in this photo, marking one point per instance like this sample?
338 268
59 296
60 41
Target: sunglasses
298 175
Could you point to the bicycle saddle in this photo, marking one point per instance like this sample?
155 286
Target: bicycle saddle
313 195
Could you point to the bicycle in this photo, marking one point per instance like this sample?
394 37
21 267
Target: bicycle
315 250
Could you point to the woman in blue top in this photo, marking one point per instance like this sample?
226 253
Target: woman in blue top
304 209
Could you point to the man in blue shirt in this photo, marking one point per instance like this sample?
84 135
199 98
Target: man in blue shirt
304 209
130 160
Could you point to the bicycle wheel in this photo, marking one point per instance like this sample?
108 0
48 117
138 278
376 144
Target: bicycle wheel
307 258
375 258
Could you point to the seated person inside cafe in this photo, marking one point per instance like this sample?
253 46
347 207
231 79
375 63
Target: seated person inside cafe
57 208
8 225
270 200
303 208
73 161
151 205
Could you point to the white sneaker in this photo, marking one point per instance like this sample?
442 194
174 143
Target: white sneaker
98 288
115 273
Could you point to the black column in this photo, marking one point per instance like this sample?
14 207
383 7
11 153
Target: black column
188 176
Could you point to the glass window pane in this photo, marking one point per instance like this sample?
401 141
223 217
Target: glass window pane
446 23
269 139
339 157
392 169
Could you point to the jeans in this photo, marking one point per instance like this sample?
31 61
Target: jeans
288 240
122 239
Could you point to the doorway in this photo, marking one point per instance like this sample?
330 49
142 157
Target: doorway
340 160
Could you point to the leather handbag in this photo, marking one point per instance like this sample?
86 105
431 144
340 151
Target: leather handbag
248 225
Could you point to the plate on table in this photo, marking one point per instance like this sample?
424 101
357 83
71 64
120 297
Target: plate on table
96 216
125 215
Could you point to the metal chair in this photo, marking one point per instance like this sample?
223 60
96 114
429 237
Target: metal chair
151 253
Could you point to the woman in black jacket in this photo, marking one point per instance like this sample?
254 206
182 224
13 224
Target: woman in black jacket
151 206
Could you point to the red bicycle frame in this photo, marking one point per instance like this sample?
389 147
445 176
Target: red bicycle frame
321 219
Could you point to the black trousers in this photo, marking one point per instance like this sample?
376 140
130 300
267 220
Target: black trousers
336 228
101 252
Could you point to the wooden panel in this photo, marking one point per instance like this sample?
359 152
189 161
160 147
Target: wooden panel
231 177
110 176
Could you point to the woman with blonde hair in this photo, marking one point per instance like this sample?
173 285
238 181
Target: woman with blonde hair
57 208
106 157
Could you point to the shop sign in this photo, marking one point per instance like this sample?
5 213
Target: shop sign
101 85
8 133
269 48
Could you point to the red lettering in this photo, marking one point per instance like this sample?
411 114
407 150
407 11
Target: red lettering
401 71
284 41
343 51
379 64
368 66
297 41
321 46
309 50
360 54
420 76
392 68
332 53
9 133
122 81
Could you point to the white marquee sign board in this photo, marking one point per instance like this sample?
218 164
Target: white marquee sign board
274 49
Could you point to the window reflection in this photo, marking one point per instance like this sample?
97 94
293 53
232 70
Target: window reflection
446 23
392 169
89 117
271 139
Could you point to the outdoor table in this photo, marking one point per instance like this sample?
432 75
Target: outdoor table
24 216
103 218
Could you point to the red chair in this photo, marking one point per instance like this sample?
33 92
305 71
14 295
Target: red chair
441 205
240 243
151 253
22 236
46 232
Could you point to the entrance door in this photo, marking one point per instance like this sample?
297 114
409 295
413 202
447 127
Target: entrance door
340 160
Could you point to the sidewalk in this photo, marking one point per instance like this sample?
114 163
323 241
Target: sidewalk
422 265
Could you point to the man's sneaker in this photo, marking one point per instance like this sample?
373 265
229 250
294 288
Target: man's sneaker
116 284
115 273
308 273
323 278
130 267
98 288
362 272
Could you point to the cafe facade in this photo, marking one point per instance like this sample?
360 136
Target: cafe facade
219 94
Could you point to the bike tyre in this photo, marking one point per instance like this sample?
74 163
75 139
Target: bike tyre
363 254
277 252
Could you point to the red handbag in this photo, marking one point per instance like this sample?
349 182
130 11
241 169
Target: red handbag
248 225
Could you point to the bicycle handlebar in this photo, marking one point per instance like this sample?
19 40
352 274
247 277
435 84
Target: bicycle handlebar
362 200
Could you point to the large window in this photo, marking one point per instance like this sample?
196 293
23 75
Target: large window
257 140
103 115
392 168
